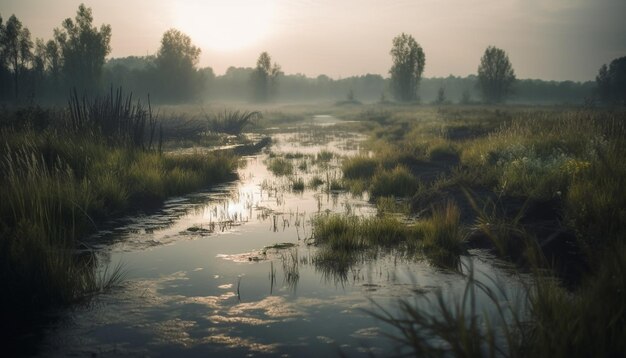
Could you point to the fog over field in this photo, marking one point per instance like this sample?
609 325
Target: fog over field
551 40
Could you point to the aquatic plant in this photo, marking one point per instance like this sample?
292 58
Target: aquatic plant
280 166
232 121
396 182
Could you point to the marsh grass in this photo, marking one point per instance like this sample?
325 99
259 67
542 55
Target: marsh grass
280 166
569 157
315 182
543 319
232 121
443 230
397 182
359 167
116 118
43 214
441 326
297 184
57 184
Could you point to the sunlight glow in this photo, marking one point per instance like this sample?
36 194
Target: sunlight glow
225 25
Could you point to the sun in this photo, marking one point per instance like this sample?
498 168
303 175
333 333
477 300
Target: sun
225 25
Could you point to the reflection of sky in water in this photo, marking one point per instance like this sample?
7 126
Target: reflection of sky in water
200 282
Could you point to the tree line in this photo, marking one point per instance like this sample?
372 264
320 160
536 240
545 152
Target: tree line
75 58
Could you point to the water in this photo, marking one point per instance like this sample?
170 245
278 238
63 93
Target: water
202 281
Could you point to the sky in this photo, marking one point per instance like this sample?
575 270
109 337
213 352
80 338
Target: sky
546 39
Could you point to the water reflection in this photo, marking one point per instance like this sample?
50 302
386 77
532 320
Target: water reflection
230 271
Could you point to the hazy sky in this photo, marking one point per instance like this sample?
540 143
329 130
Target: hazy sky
548 39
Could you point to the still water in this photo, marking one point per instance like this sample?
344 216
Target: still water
204 280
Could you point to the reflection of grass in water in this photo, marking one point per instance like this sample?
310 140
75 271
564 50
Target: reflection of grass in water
544 319
291 269
442 326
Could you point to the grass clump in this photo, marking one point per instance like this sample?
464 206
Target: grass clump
397 182
342 232
232 121
443 230
315 182
280 166
324 156
297 184
359 167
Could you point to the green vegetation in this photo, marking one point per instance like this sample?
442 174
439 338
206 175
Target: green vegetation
297 184
541 187
280 166
232 122
397 182
98 160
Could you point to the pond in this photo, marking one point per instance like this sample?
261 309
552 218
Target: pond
232 272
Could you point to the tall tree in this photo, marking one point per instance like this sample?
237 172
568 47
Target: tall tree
83 48
5 76
265 78
408 65
54 62
495 75
611 81
176 65
17 49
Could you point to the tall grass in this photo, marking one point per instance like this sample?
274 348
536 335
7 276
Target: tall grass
453 326
43 214
232 121
57 184
117 118
396 182
443 230
542 320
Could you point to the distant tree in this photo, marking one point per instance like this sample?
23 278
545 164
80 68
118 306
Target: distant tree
408 66
611 81
265 78
441 96
83 49
5 76
17 48
495 75
54 62
466 97
176 65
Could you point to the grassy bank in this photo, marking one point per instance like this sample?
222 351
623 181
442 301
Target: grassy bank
542 187
62 173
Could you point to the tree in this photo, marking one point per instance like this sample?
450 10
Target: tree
83 48
611 81
176 65
17 47
441 96
265 78
495 75
5 76
408 65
